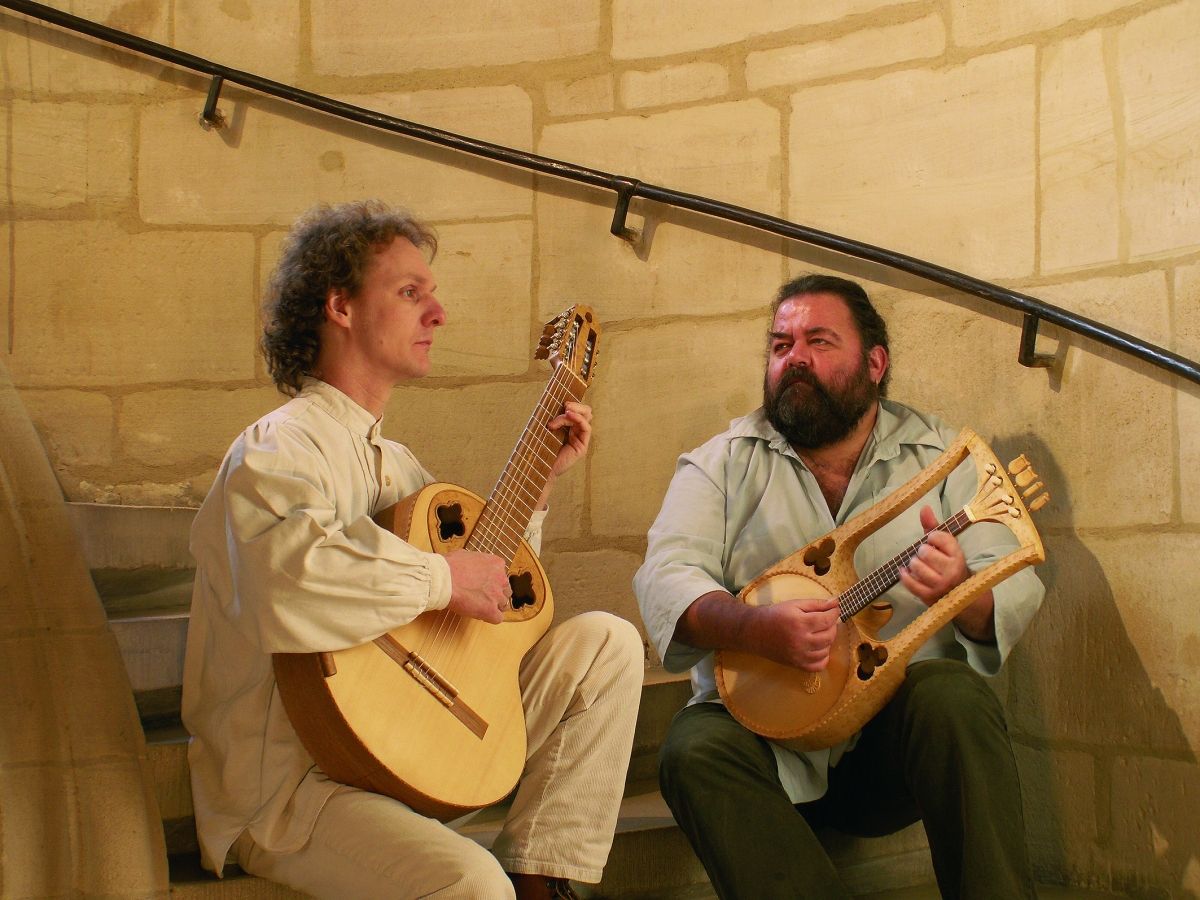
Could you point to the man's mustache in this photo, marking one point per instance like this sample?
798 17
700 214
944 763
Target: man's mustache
797 376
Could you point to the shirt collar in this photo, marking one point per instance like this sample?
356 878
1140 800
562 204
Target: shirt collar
343 410
895 425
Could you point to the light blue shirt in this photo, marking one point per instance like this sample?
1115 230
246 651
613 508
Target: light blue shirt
744 500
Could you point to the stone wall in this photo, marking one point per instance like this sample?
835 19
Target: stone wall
1051 147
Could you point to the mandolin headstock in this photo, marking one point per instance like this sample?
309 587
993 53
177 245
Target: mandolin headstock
1001 498
571 339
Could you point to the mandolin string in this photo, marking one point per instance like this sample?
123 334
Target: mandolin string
497 528
860 594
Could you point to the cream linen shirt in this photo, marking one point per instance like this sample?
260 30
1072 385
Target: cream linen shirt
288 560
744 500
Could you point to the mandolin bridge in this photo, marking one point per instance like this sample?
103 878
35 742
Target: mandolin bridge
430 679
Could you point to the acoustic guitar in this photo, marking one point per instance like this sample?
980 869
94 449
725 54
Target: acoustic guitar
430 713
814 710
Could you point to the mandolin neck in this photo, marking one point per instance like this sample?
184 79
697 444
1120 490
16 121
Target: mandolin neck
501 526
859 595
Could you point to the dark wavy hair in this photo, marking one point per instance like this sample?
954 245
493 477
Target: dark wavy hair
329 247
871 328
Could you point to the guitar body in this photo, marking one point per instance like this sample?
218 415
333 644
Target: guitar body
376 725
812 711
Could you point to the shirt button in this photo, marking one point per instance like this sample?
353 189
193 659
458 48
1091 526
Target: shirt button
388 480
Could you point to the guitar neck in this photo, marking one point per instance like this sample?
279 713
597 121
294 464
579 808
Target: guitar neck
859 595
502 524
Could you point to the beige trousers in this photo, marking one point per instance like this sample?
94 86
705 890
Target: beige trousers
580 686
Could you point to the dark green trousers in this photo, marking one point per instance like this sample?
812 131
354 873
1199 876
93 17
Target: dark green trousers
939 752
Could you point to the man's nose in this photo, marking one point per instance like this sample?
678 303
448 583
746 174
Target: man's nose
436 314
800 356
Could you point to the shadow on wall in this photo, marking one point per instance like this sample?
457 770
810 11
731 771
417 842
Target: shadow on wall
1110 782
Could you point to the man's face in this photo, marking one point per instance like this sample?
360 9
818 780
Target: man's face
393 316
819 383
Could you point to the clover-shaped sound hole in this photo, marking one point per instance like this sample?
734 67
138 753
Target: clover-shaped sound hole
450 521
522 590
818 557
869 658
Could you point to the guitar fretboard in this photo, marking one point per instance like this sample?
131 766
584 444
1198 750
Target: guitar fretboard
502 524
858 596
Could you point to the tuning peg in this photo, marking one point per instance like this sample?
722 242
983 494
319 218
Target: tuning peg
1031 490
1025 477
1018 464
1039 502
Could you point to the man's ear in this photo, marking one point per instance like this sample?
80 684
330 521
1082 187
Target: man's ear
877 361
337 307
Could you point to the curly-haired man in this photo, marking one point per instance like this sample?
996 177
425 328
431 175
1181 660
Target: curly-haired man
289 560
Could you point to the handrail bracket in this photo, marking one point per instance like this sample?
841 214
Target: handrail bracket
1028 355
624 188
212 117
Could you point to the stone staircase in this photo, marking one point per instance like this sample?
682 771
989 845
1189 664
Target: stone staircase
143 573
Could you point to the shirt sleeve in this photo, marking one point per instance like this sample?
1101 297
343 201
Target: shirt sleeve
301 579
1017 598
684 553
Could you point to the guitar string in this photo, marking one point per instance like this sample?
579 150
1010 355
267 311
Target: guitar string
480 537
496 529
860 594
505 526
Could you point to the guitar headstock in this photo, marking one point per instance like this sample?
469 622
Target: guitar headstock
998 498
570 339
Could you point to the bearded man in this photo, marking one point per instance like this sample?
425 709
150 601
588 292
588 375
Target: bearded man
823 448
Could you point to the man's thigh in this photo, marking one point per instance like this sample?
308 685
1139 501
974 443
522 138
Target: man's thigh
371 847
871 789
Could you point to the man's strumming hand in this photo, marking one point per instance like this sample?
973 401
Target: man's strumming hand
479 587
797 633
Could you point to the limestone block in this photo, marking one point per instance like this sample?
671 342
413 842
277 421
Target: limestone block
866 49
38 59
584 96
596 579
977 23
1159 60
5 269
172 427
674 84
362 37
145 18
1188 403
678 384
1096 431
1112 658
956 186
1187 311
30 834
483 274
643 28
1080 206
283 160
729 151
86 667
76 427
462 435
38 738
116 791
1059 795
1154 837
565 520
259 36
64 153
95 305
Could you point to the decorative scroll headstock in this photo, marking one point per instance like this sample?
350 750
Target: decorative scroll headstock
571 339
998 498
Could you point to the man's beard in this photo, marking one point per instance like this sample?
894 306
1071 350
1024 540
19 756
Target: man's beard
811 414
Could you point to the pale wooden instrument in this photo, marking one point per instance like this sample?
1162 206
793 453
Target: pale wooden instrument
814 710
430 713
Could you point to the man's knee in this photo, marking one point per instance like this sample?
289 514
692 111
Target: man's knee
705 743
949 700
618 644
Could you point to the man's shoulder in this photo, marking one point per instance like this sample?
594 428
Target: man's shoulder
902 424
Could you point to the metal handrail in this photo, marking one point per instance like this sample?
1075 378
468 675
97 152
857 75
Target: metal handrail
1034 311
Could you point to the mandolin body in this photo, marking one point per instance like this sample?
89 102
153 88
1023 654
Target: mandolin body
812 711
376 725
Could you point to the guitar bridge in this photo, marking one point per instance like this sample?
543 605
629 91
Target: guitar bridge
430 679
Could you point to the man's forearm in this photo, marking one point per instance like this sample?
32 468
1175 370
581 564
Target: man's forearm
978 621
717 621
